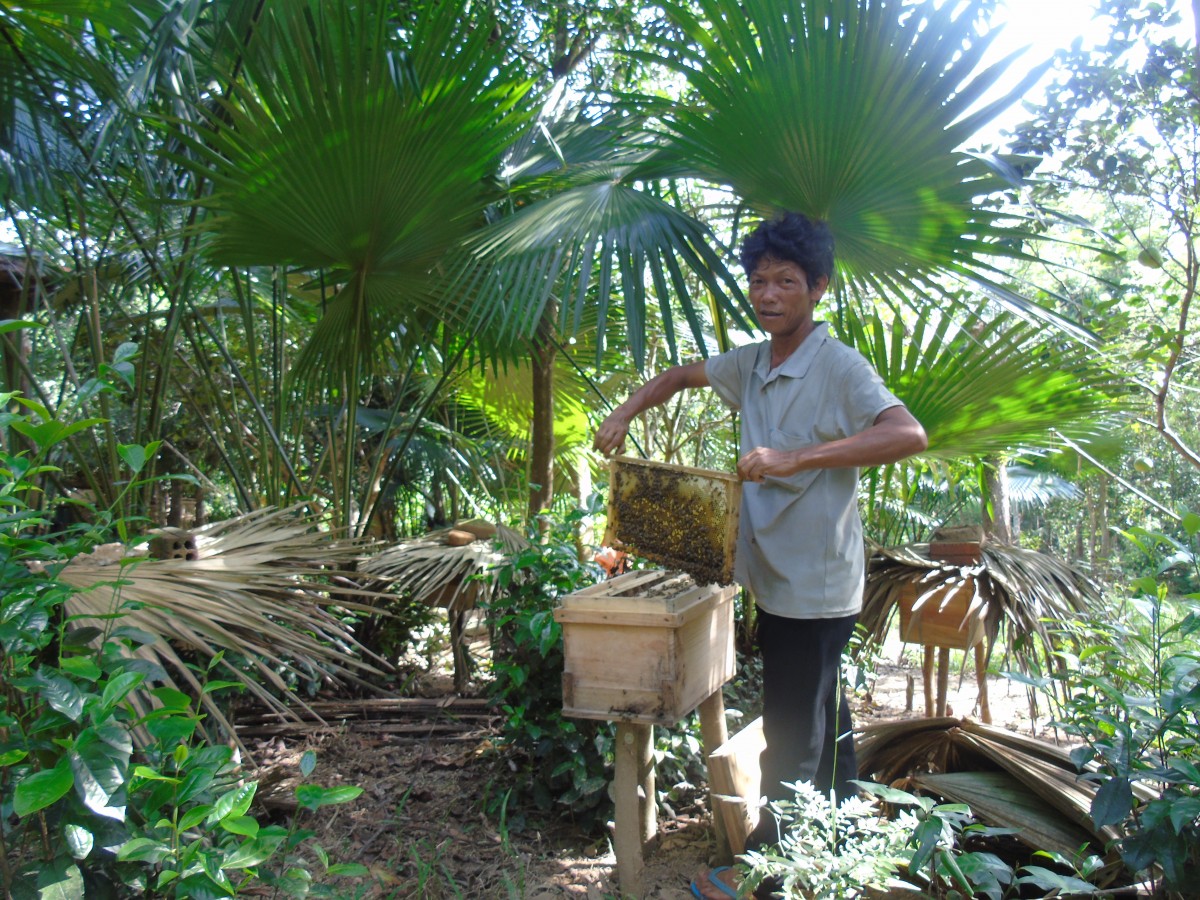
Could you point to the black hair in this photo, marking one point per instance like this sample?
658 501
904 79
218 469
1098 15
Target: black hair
791 238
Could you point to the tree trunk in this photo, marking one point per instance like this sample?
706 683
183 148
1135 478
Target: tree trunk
541 450
997 511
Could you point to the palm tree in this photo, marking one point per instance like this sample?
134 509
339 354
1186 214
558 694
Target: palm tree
854 113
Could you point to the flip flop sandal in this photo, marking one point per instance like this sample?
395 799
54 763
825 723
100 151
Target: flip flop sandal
715 882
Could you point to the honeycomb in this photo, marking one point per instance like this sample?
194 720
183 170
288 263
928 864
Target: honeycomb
682 518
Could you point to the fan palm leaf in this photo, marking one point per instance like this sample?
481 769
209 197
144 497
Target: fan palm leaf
589 233
853 113
350 150
264 589
982 387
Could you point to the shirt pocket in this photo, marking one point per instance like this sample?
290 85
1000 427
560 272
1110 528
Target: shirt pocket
801 481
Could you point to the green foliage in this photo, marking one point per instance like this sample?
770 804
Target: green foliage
194 835
859 846
830 851
80 804
560 761
1131 694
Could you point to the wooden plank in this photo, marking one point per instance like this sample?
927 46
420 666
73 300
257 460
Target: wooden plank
733 772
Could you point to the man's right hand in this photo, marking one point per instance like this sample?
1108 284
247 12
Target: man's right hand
610 436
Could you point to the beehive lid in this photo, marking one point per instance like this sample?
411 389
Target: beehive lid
653 592
682 518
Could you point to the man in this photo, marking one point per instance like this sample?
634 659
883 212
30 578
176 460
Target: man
813 413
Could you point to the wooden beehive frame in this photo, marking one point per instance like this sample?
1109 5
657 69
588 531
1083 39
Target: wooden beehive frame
680 517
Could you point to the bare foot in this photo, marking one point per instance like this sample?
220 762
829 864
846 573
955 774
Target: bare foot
709 883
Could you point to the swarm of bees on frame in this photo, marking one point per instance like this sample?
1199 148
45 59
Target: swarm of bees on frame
674 518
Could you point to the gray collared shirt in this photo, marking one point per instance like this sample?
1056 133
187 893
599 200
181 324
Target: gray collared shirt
800 545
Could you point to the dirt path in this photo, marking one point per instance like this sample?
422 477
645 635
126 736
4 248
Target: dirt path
419 828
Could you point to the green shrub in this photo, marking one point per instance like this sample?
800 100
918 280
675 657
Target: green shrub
855 850
103 781
1132 692
560 762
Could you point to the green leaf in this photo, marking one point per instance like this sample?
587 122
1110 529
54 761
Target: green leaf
234 803
348 870
311 796
172 699
194 816
143 849
308 762
1184 812
7 326
211 686
246 826
134 635
98 769
79 840
118 688
1113 802
11 757
1191 523
165 878
147 774
60 693
926 836
251 853
60 880
81 637
39 790
134 456
81 667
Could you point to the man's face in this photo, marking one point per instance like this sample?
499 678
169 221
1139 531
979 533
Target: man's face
783 300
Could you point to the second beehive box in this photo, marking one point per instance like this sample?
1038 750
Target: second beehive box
646 646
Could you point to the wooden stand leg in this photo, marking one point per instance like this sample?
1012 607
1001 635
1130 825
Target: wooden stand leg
633 747
985 711
927 673
647 798
714 733
943 679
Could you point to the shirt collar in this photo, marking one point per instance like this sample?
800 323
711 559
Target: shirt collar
796 365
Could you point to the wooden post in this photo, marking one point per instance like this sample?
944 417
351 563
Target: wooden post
985 711
927 676
943 679
633 748
714 733
647 798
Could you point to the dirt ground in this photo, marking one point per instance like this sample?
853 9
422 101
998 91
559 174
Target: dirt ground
419 828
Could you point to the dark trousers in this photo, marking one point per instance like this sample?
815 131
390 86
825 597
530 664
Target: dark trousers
806 719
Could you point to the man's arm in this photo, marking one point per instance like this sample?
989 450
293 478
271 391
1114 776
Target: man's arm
894 435
610 436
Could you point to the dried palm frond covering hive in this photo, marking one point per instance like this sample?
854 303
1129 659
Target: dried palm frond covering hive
682 518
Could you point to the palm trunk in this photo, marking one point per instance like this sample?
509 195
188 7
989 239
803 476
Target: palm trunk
997 511
541 451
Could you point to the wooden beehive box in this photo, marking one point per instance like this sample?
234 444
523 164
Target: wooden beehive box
647 646
679 517
941 615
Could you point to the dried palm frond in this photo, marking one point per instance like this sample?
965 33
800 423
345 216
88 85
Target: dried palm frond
439 570
1019 593
1009 780
264 587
